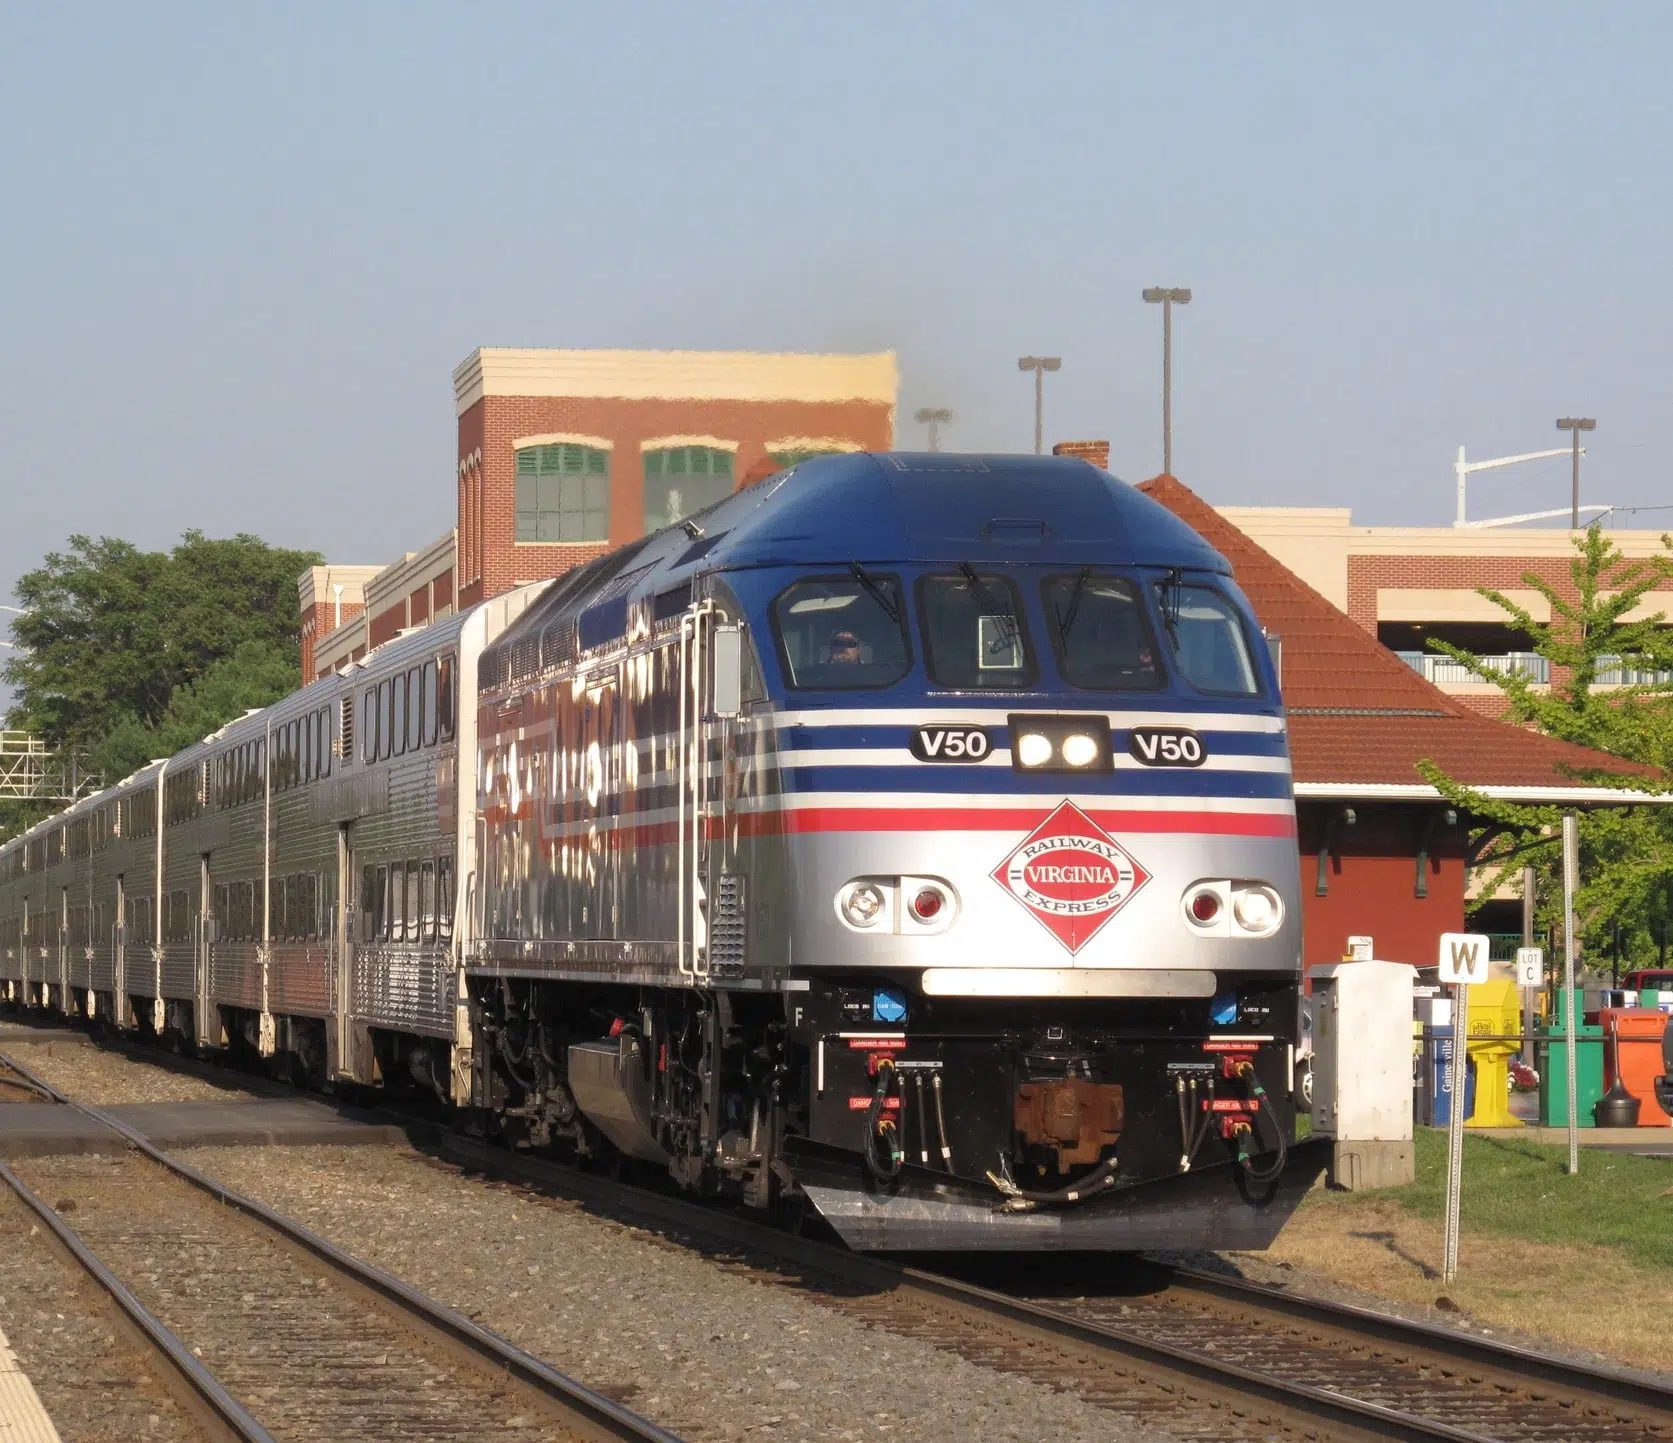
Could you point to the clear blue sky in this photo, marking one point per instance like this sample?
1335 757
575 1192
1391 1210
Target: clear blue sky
245 246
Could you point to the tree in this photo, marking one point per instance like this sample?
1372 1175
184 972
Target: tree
1626 853
126 654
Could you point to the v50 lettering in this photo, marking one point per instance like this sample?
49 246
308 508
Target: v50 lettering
1167 746
950 744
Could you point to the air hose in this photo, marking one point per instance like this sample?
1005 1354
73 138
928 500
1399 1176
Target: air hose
1245 1158
881 1128
1017 1199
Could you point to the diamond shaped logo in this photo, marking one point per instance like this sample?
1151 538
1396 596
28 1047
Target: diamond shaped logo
1072 875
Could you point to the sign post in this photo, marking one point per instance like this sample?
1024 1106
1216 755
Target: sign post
1530 976
1571 885
1463 960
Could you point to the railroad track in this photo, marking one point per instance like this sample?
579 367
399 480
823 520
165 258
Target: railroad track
1203 1356
269 1331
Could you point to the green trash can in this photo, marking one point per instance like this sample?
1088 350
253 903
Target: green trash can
1551 1057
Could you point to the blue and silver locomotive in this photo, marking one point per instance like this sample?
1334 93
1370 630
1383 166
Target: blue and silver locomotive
909 833
907 836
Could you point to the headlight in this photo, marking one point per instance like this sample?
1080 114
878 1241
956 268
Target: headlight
1079 750
863 905
1255 908
1033 750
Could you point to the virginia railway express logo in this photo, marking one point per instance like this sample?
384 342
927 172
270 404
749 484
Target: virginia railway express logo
1072 875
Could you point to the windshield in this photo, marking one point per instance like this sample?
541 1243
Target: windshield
1103 639
1209 646
843 633
974 636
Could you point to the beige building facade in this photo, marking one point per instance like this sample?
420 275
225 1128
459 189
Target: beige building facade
1407 584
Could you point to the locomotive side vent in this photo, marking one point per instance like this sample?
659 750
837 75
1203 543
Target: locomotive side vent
345 728
525 659
557 644
728 931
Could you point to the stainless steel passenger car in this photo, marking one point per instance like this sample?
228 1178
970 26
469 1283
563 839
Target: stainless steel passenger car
287 887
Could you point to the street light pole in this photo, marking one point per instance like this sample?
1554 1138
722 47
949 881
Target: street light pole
1167 298
1574 425
935 417
1039 365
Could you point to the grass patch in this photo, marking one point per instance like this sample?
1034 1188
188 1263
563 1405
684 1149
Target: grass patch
1521 1190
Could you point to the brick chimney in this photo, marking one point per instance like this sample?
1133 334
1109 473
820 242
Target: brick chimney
1097 452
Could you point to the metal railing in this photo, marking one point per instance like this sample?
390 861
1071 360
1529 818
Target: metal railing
1618 671
1444 671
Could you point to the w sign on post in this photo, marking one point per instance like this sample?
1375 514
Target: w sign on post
1463 961
1463 957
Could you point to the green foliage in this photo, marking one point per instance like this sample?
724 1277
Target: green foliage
124 654
258 674
1626 853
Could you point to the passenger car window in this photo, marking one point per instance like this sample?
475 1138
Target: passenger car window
974 632
1103 637
843 632
1207 639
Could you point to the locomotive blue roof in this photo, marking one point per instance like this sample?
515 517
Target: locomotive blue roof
894 507
937 506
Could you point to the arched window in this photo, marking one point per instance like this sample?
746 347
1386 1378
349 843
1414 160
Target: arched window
563 493
682 479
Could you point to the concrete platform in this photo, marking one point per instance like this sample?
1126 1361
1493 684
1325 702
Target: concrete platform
40 1035
47 1129
22 1417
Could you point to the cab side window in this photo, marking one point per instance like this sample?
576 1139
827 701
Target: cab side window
843 633
1207 639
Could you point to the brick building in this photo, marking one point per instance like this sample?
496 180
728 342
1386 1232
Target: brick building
563 455
1405 584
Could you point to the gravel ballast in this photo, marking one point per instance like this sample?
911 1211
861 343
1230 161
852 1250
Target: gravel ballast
94 1384
708 1352
104 1077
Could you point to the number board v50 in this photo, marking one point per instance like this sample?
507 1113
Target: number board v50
955 743
1166 747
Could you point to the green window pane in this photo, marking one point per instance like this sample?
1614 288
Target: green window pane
563 493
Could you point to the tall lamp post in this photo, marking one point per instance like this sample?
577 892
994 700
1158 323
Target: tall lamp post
1039 365
935 417
1574 425
1167 298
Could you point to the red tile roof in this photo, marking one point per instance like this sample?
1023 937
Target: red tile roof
1359 716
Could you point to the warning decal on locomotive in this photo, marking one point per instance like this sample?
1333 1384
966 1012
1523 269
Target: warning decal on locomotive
1072 875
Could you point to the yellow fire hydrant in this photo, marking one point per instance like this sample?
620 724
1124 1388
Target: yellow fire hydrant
1496 1011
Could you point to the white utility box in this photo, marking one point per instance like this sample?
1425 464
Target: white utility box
1362 1071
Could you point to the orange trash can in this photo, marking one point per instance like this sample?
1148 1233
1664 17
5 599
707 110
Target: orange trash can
1639 1030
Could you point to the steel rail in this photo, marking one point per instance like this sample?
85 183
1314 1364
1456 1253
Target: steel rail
603 1416
1504 1363
224 1411
1347 1417
1510 1361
